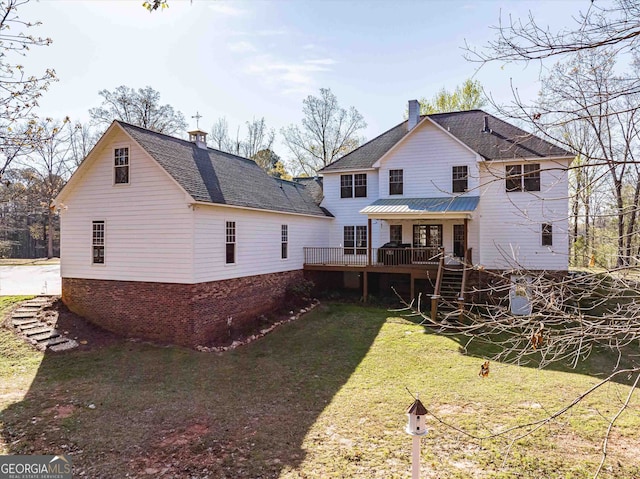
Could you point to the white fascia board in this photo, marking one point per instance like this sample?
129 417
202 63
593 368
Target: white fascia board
530 158
346 170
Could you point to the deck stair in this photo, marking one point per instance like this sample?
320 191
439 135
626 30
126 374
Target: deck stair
450 287
29 322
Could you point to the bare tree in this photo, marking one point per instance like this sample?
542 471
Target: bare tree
259 137
139 107
50 163
19 91
82 139
220 135
328 132
614 25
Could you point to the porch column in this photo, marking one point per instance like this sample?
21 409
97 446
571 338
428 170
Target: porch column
466 237
369 243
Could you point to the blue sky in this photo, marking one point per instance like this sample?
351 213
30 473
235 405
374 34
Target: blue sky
245 59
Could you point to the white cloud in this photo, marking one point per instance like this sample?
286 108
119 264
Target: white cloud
224 8
321 61
242 47
289 76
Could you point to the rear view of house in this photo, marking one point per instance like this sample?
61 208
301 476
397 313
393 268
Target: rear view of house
169 240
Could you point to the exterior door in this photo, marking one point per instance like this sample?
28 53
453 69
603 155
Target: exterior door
427 238
458 241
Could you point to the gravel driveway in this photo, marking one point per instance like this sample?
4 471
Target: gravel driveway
43 279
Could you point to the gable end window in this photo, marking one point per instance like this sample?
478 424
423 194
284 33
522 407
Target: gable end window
97 242
547 234
231 242
523 177
284 241
396 184
346 186
460 176
121 166
360 185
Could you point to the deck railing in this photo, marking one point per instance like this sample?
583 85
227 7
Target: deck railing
379 256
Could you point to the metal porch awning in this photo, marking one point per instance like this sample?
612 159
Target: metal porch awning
449 207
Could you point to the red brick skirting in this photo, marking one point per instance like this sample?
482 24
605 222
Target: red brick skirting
185 314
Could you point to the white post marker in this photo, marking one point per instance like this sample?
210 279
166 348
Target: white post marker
416 427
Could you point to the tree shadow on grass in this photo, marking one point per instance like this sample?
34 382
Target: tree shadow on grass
141 409
597 361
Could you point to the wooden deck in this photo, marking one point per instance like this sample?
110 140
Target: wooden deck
420 263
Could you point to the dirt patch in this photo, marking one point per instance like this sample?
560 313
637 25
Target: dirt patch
88 335
61 412
183 438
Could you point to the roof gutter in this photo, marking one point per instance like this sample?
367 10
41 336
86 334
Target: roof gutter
249 208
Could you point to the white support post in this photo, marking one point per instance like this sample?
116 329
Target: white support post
415 458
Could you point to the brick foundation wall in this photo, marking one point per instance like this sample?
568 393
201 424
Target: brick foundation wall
184 314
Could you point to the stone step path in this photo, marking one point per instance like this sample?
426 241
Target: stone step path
28 321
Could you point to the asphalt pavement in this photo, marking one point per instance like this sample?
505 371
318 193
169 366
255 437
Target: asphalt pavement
44 279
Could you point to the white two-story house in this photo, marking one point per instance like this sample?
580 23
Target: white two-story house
167 239
457 186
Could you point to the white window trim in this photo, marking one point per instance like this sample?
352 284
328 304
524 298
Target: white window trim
98 265
114 147
235 242
283 242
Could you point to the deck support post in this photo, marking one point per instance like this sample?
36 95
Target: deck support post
365 285
413 287
434 307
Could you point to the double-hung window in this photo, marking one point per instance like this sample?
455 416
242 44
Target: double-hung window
460 176
230 242
353 186
121 166
284 241
396 182
522 177
97 242
360 185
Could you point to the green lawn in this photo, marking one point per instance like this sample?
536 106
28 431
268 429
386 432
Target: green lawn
322 397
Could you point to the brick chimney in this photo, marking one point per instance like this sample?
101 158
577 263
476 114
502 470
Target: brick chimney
414 114
198 137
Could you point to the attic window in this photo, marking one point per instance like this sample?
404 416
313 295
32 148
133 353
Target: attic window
121 166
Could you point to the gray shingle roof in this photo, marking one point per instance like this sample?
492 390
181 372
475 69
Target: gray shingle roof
313 185
213 176
503 141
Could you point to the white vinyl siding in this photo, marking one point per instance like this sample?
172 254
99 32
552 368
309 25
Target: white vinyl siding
427 158
149 226
259 238
510 235
347 210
